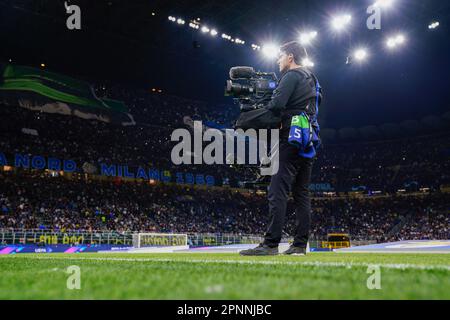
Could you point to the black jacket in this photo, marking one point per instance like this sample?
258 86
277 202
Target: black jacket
296 92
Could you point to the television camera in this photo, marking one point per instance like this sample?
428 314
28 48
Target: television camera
251 89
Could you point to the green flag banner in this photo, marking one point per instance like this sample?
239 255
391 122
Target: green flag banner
50 92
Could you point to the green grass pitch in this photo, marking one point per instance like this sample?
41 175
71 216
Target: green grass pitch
224 276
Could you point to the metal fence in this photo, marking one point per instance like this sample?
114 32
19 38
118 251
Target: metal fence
52 237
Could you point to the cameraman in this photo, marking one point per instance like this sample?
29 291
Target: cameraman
296 93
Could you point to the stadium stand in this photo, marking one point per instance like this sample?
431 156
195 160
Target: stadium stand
400 189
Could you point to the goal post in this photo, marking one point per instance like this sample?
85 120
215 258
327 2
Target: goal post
150 239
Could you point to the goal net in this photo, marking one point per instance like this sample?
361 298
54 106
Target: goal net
147 240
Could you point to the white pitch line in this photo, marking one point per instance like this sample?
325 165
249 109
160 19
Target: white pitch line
400 266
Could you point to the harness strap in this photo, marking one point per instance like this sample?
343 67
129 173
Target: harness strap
318 92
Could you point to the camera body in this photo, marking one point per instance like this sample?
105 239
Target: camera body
251 89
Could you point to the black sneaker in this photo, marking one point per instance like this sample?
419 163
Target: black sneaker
295 251
261 250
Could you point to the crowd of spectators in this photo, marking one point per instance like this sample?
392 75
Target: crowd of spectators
94 142
36 200
379 217
152 107
33 200
411 164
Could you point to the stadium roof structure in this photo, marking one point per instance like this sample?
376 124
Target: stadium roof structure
134 42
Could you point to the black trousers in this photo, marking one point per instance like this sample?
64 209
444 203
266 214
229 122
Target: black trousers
294 175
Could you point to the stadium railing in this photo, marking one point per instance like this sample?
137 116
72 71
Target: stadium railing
76 237
83 237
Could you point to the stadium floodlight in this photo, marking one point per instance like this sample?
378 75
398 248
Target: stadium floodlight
205 29
340 22
400 39
306 62
433 25
270 51
384 3
180 21
214 32
360 54
395 41
173 19
391 43
307 37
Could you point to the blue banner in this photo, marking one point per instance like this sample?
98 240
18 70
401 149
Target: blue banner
60 248
108 170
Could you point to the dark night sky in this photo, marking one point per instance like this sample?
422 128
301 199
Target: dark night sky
121 41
